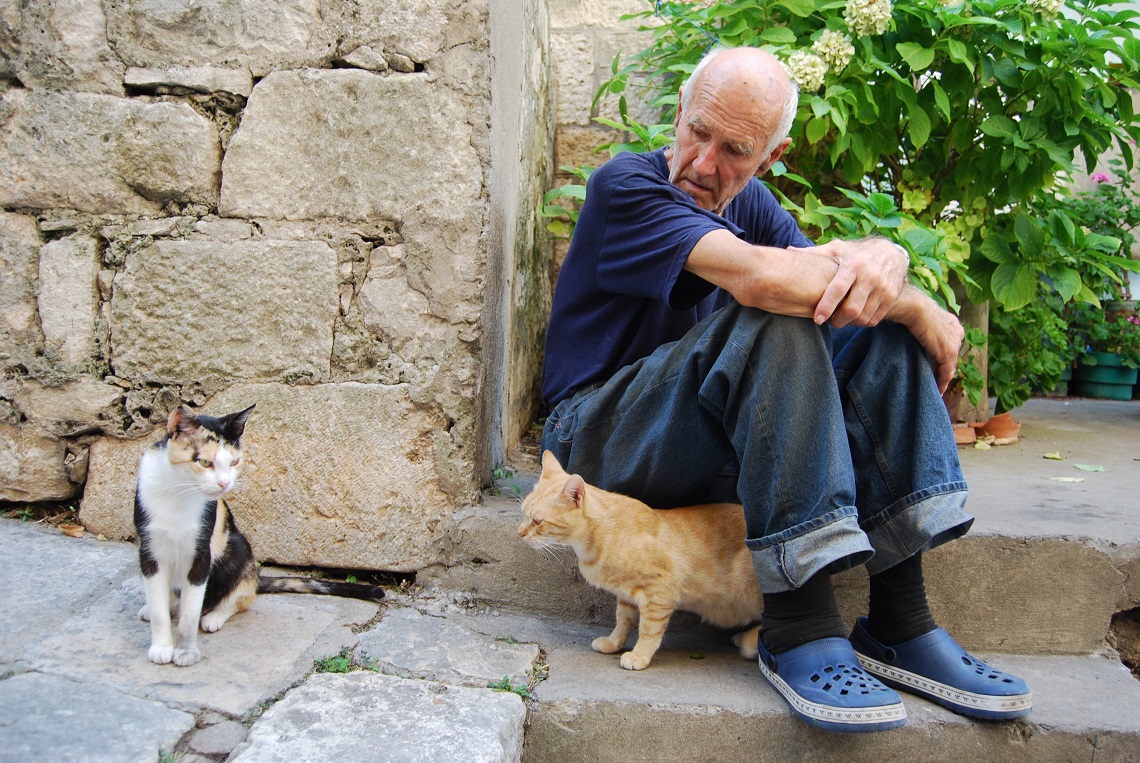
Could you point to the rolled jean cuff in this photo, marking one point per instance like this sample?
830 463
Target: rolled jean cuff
917 523
787 560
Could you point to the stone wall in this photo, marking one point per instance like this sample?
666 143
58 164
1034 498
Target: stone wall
324 207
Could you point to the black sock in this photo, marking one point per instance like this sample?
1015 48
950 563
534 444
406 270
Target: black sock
898 610
804 614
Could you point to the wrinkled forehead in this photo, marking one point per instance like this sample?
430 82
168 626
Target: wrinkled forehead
738 119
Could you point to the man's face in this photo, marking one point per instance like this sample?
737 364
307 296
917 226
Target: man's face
720 145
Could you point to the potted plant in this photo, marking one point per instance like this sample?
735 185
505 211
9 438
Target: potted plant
1110 354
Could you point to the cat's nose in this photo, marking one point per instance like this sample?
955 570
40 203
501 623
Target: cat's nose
523 528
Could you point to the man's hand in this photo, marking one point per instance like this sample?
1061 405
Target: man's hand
870 277
938 331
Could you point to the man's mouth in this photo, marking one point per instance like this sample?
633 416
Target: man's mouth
696 185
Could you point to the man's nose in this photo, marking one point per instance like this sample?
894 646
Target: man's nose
705 161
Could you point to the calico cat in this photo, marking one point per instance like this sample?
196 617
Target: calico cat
655 562
189 545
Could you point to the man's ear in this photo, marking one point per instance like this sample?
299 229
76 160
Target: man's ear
773 157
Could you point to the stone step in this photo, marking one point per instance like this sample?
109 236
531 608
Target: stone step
1027 595
700 701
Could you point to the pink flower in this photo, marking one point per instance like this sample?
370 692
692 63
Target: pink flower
1100 177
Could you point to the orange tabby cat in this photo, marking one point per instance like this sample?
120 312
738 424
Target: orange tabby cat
655 562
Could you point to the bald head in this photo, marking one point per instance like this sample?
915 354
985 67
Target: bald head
754 80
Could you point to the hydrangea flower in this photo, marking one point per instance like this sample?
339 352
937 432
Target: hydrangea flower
807 69
866 17
1047 8
835 48
1100 177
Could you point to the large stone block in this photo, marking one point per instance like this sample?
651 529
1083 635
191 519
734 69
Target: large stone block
76 408
108 498
601 14
19 264
418 29
258 34
63 45
32 466
105 155
68 301
342 475
574 66
264 309
354 145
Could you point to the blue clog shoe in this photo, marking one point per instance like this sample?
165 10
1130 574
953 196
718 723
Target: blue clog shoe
934 666
826 687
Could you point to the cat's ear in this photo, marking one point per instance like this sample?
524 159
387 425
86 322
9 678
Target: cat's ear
550 463
181 419
234 424
574 490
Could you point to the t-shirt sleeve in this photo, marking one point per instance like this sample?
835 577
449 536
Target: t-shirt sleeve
650 229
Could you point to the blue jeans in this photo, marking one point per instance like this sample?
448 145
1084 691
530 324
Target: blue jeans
836 442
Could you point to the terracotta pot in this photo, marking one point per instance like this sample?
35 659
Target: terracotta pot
1003 428
964 434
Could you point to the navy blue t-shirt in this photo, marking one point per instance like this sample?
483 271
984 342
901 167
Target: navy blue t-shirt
622 291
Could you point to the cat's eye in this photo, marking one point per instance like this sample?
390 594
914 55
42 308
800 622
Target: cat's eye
236 461
205 463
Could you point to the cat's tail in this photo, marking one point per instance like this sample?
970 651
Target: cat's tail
324 587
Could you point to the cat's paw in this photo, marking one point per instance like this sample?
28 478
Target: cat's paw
213 622
745 641
186 655
630 661
144 614
605 645
160 654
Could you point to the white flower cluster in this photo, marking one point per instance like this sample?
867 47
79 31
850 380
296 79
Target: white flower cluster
866 17
835 48
1047 8
807 69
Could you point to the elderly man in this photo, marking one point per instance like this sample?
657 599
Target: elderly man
700 349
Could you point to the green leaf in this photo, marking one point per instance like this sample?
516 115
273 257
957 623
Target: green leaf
816 129
778 35
960 54
1014 285
999 126
941 100
881 204
801 8
997 250
916 56
919 128
1029 236
1067 282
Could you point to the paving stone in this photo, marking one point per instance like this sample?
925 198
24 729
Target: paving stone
218 739
370 717
413 644
60 720
258 654
41 588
